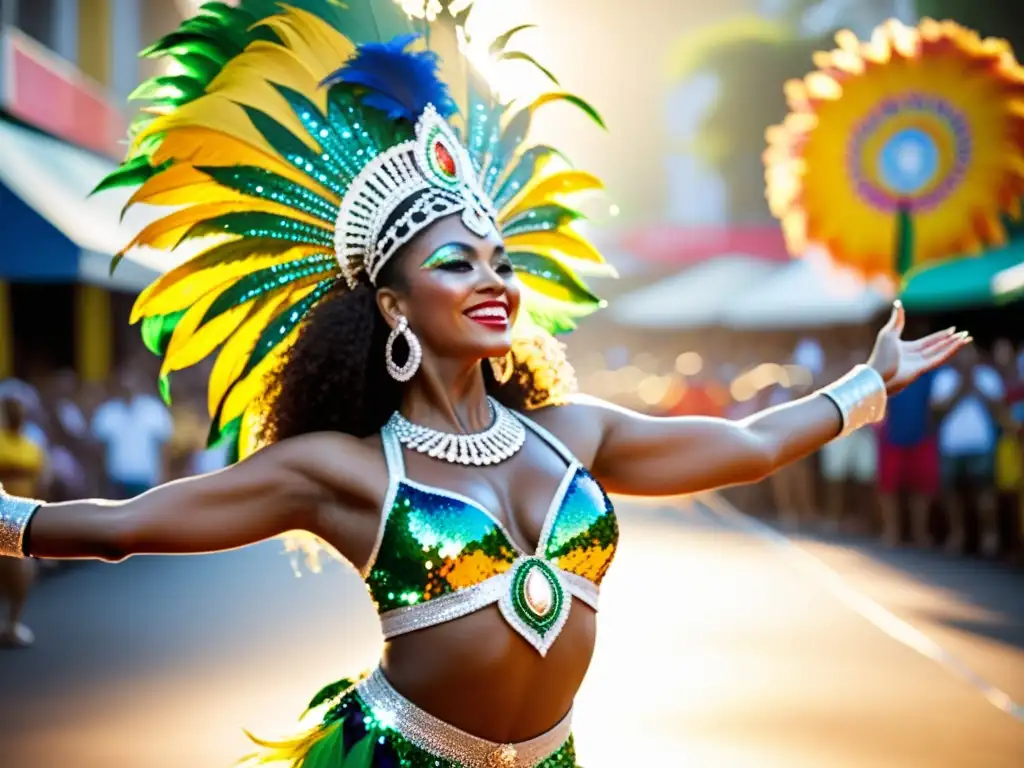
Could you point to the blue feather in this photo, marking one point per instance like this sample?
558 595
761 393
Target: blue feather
399 83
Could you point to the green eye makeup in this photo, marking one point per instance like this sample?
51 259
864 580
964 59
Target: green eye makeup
446 254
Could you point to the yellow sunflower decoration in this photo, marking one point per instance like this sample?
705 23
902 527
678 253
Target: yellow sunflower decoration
901 150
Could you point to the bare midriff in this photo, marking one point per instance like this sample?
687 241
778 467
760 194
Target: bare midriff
477 674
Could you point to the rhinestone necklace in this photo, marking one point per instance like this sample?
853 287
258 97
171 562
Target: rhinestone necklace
500 441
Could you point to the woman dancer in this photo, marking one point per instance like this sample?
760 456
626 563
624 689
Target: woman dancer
390 260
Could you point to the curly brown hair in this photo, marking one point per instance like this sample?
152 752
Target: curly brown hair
334 378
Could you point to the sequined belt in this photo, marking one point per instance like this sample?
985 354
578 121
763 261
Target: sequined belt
446 741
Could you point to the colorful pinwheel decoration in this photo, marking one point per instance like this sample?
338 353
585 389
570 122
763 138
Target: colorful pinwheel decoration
901 151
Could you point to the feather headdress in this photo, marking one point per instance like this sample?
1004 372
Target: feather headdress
265 142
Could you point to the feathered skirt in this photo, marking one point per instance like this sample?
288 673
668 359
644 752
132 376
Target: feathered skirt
370 725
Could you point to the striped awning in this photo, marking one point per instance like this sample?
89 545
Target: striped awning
53 231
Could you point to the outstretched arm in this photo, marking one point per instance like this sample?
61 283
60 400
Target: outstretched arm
652 456
296 485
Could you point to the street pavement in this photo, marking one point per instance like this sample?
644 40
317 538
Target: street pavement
722 644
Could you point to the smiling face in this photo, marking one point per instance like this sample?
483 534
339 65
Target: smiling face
457 290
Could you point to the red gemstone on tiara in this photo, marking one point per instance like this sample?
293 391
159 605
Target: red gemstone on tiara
444 158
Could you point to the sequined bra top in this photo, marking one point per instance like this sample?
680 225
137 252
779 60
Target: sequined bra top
440 555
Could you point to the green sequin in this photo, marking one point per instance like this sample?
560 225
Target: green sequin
263 281
543 218
279 328
263 184
434 545
511 141
541 623
585 532
525 169
539 265
260 224
320 167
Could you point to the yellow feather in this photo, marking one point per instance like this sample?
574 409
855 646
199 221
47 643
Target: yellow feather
186 327
563 241
207 146
166 232
203 341
179 294
551 189
232 357
252 387
206 338
248 79
313 41
179 288
180 185
250 430
550 292
211 111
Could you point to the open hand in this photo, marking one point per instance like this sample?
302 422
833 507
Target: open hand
899 362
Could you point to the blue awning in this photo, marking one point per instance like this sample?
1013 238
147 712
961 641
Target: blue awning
53 231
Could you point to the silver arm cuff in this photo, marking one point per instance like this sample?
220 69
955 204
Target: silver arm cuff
15 514
860 397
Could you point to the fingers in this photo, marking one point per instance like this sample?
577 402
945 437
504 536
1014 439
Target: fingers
925 343
945 349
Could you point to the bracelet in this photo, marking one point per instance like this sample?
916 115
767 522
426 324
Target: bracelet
860 397
15 514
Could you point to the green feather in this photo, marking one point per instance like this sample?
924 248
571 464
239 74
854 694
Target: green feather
197 46
325 133
497 47
511 140
265 281
156 331
543 218
483 122
322 168
278 329
155 89
164 387
328 751
329 693
199 66
576 101
546 268
360 756
266 185
524 170
130 174
520 56
229 431
359 20
555 323
263 225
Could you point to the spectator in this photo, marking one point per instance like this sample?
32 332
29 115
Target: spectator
134 429
908 461
966 396
22 463
849 461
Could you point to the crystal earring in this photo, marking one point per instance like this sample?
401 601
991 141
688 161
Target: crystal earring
412 363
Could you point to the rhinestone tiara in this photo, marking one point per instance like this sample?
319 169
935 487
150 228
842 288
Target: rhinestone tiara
435 169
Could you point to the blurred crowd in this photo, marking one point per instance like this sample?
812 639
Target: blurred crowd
944 469
62 440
